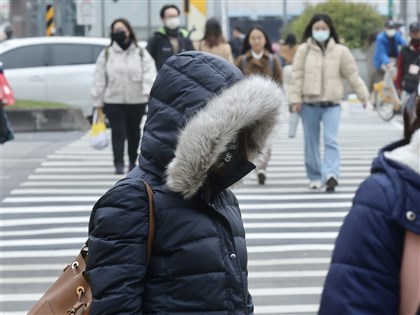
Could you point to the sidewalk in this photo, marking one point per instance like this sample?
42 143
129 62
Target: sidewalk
58 119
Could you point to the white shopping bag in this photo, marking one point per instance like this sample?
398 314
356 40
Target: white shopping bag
293 124
98 138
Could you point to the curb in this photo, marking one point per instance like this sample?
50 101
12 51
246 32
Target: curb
57 119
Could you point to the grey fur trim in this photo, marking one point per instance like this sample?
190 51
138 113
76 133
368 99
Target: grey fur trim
254 102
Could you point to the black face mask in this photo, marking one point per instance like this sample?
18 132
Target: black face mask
121 39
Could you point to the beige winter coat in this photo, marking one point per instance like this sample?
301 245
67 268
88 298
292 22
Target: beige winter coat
124 78
317 76
222 50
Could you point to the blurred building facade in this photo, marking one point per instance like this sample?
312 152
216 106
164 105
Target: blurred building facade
26 17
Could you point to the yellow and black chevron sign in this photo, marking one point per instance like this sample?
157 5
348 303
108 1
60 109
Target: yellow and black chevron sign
49 21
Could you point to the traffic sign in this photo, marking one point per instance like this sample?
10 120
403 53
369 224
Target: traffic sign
86 10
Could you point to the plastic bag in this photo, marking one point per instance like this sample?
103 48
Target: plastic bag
98 137
293 124
6 93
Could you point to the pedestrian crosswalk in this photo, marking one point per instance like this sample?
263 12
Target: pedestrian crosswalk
290 229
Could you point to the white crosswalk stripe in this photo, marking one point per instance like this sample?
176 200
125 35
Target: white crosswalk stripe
290 229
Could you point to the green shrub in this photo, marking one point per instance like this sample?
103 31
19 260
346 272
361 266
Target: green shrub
354 21
24 104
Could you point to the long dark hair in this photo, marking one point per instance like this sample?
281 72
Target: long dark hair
411 126
213 35
246 46
316 18
127 24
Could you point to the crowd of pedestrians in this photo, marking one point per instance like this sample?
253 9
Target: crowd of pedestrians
210 120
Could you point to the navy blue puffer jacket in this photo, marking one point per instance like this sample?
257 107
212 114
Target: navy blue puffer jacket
199 104
364 276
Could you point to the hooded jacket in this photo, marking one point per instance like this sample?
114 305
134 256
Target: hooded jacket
199 103
159 45
364 276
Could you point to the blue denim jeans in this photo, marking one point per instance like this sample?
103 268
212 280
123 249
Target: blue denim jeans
312 117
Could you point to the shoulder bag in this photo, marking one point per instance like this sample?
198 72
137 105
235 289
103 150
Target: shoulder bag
71 293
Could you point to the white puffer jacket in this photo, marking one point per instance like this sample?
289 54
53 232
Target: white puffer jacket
124 77
317 76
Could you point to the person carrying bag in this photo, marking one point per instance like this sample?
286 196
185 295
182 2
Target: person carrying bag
123 77
71 293
6 99
206 126
98 137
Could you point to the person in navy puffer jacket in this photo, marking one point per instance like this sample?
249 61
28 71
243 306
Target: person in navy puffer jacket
375 266
206 124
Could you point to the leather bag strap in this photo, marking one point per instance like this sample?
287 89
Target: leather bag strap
151 238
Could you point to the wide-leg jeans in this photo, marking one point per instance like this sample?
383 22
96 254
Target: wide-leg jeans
313 115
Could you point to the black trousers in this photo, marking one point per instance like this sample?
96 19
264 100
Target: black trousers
125 124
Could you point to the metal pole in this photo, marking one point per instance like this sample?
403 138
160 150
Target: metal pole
403 13
228 30
103 18
224 19
28 19
284 13
149 18
390 14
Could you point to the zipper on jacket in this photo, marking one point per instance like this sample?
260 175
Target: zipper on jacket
322 75
125 76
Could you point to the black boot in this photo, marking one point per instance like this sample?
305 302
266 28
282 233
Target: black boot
119 168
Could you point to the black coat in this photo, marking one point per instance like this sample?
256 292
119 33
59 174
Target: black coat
160 48
199 259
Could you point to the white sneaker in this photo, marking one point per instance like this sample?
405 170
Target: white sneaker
315 184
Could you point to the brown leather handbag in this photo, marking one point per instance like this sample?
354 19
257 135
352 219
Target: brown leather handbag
71 294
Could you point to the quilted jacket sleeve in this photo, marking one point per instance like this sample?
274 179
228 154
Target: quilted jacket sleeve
298 72
117 261
350 72
364 272
99 81
149 72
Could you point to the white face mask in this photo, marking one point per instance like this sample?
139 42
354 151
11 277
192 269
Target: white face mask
321 36
172 23
390 32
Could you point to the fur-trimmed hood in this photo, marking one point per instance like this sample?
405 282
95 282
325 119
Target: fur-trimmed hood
205 114
409 154
254 103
